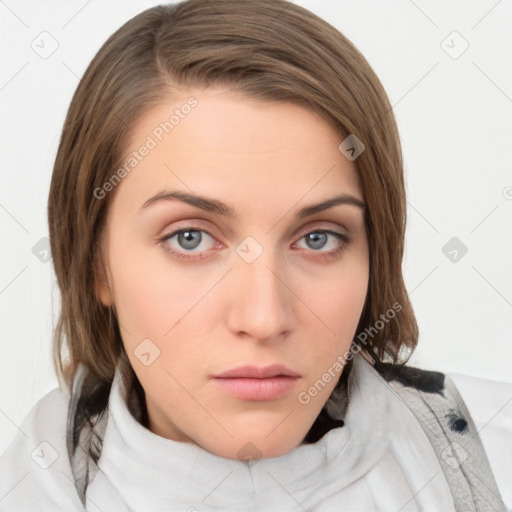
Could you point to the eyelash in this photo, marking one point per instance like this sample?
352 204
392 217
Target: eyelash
324 255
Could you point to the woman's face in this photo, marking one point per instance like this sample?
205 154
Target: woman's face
239 277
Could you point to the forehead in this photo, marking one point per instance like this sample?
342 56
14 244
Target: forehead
217 142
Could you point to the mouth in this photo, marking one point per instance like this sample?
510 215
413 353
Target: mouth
247 388
257 383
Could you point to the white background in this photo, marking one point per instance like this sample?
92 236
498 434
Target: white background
455 121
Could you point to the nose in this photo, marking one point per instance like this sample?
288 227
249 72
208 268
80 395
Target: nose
261 304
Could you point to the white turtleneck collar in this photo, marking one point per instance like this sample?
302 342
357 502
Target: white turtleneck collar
379 460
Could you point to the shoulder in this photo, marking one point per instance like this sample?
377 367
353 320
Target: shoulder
489 401
35 473
490 405
468 420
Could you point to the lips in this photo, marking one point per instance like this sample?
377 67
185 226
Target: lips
255 372
257 383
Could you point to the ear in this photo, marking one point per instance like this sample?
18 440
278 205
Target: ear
102 281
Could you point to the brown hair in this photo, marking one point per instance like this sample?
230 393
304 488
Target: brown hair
270 50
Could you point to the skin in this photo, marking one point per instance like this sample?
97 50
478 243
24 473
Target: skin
216 312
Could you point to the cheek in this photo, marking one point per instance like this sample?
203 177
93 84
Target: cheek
158 300
150 295
339 301
337 308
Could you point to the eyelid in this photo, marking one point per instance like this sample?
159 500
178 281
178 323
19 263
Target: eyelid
195 225
322 226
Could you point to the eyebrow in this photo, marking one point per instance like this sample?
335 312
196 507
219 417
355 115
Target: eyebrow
218 207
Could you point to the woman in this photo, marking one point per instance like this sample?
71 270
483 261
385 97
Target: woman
227 217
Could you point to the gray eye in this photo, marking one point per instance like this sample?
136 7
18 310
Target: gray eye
189 239
316 240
